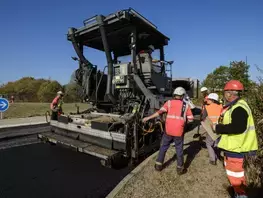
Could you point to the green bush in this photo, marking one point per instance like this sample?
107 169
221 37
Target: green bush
254 165
29 89
48 90
72 93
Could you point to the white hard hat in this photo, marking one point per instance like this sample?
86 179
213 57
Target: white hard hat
213 96
60 93
179 91
151 47
203 89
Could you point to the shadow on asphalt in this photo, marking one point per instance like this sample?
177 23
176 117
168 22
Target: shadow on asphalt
42 170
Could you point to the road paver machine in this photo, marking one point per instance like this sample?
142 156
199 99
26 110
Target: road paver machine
121 93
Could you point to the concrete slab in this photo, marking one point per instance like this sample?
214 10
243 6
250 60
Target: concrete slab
22 121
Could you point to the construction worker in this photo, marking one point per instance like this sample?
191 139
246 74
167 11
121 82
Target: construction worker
212 111
56 105
12 99
149 50
178 112
204 92
238 135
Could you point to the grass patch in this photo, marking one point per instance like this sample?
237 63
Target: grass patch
23 110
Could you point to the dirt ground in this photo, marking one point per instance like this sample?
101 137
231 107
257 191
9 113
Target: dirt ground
201 179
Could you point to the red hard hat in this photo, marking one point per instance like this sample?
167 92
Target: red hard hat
234 85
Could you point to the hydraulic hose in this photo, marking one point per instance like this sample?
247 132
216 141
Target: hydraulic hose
46 115
152 127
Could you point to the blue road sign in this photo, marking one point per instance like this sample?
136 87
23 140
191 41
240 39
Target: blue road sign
4 104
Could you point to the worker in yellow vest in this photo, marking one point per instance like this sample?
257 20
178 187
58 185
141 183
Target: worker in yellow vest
212 111
238 135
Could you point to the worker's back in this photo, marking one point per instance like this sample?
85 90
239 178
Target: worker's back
177 113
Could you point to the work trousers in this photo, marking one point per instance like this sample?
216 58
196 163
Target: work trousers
55 115
165 144
211 147
236 176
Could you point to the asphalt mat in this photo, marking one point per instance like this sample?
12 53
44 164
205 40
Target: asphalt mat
43 170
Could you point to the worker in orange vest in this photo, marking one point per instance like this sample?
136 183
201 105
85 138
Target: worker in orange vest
56 105
212 111
178 113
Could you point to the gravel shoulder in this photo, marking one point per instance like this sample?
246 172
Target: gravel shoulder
201 179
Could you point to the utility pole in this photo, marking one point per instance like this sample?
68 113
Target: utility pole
246 60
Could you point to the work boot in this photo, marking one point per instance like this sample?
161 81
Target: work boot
213 162
158 167
240 196
180 170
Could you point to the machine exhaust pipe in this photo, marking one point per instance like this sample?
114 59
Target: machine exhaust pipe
109 93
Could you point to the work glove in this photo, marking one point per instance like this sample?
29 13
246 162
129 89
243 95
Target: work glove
55 110
145 119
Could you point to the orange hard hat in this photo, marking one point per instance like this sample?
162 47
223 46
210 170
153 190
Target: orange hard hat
234 85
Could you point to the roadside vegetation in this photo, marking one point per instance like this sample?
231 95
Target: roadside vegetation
29 89
32 97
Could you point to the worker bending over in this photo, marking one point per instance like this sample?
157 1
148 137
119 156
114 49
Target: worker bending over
212 111
56 106
238 135
178 112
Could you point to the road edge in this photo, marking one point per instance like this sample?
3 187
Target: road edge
128 177
14 131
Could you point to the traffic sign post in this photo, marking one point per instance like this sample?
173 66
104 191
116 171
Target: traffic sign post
4 105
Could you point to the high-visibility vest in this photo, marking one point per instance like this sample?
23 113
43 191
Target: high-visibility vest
60 103
214 111
245 142
178 112
57 102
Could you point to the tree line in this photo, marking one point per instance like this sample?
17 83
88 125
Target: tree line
29 89
238 70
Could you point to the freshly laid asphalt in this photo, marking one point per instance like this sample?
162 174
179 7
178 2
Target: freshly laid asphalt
43 170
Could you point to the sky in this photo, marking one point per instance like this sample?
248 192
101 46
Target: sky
204 34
